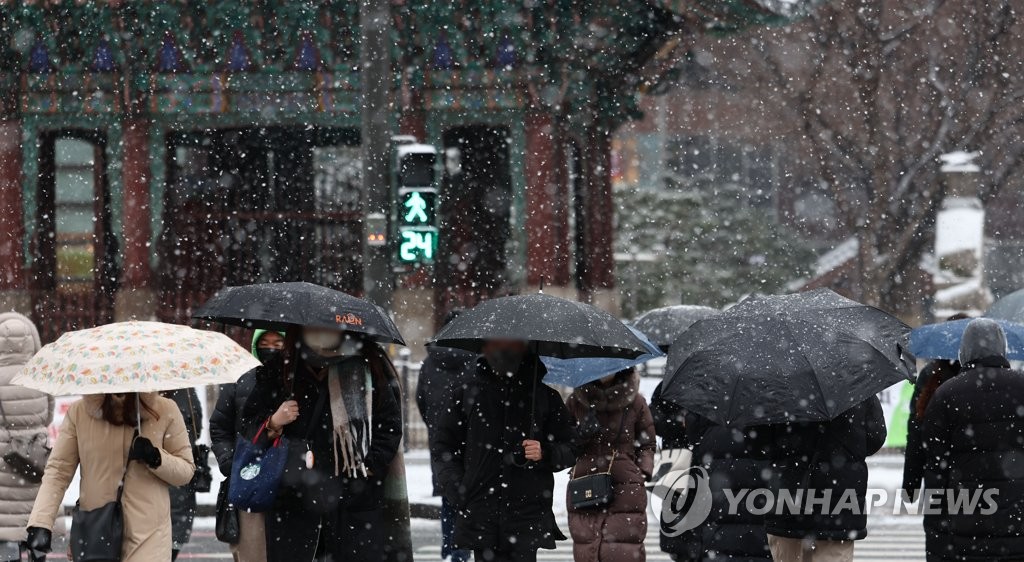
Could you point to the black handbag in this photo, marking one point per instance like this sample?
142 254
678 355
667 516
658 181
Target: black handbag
595 490
97 535
227 527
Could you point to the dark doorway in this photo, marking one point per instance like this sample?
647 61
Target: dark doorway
74 271
475 217
257 205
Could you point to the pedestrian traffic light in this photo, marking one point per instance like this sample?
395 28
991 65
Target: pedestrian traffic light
416 209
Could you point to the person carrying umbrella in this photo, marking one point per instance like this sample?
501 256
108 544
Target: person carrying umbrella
337 403
974 440
342 420
617 435
801 372
495 451
497 447
131 444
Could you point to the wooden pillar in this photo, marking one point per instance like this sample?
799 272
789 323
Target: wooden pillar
12 217
136 210
598 276
545 234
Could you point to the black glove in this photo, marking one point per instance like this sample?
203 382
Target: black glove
143 450
38 541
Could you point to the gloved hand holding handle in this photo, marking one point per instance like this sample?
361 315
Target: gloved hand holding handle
143 450
38 542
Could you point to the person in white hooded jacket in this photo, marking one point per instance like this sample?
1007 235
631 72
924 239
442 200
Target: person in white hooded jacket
25 415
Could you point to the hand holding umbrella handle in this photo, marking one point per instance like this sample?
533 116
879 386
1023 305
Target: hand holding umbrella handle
144 450
533 450
286 413
38 542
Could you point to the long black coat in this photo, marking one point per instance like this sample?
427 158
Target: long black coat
445 371
479 463
226 419
183 498
973 436
824 457
669 422
732 463
351 506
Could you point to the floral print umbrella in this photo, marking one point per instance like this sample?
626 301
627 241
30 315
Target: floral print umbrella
135 357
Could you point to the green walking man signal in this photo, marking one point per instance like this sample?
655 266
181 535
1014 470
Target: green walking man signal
416 207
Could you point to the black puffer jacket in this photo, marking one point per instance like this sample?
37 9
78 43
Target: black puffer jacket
733 464
973 434
226 419
445 371
478 458
828 458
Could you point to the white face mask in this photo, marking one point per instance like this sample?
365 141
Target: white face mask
350 347
322 340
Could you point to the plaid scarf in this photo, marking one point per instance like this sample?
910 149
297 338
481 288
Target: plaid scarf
350 385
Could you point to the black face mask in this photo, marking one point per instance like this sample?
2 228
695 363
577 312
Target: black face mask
272 359
505 361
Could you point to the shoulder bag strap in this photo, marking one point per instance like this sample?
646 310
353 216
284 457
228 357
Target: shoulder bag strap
614 451
192 415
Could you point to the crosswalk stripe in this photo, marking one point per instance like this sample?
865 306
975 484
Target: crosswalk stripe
888 543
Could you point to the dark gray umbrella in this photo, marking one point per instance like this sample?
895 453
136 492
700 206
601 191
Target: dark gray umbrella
555 327
1010 307
792 358
664 325
276 306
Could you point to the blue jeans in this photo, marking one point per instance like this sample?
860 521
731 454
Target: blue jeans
448 515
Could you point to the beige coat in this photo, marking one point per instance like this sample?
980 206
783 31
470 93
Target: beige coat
102 451
28 414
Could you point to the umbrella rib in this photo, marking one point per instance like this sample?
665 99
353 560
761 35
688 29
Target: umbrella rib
814 372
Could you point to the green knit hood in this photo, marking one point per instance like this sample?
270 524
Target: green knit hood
256 335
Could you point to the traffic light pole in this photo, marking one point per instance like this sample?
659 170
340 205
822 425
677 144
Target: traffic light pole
375 83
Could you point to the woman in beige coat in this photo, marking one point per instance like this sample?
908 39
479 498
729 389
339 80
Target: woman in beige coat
98 434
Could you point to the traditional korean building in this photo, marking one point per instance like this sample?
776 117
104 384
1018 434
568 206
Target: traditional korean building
152 152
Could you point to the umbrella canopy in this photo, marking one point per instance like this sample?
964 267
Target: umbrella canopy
942 340
135 357
556 327
665 325
580 371
276 306
804 357
1010 307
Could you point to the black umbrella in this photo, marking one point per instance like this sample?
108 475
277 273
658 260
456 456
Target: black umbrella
554 327
276 306
664 325
804 357
1010 307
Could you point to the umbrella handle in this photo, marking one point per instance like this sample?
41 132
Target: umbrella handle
533 390
138 413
